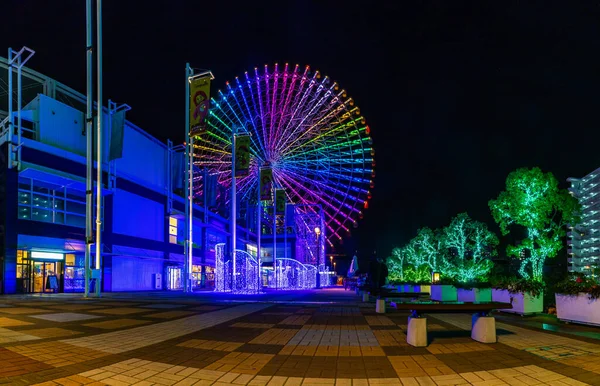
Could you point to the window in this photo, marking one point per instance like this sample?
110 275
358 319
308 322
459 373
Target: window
45 202
172 230
74 272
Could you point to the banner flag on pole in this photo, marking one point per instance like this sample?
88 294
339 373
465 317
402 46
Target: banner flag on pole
210 189
279 201
116 136
242 155
177 166
266 184
199 103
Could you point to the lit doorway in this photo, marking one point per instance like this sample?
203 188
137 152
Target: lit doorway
174 278
46 276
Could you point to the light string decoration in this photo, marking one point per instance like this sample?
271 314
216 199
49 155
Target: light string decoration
292 274
307 129
246 278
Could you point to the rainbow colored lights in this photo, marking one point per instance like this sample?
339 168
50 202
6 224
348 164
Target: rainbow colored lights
309 131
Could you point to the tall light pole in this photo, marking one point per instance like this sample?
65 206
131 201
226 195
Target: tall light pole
99 148
318 233
89 126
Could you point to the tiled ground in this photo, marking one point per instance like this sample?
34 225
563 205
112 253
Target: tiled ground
305 338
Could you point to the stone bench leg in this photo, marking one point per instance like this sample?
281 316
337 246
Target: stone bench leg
417 332
483 329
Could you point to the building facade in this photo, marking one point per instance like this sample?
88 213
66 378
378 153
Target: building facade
583 239
42 202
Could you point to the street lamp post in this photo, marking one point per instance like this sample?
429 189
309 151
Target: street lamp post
318 233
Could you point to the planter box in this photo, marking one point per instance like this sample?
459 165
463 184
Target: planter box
423 288
522 303
474 295
578 309
444 293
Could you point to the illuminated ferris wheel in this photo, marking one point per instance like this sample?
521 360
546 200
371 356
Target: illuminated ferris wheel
307 129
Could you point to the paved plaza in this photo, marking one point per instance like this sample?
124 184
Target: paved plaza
325 337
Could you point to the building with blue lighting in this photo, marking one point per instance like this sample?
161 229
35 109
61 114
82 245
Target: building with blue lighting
42 202
583 239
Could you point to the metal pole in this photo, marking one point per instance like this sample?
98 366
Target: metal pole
88 150
10 108
233 214
19 100
285 248
275 241
259 231
205 227
191 214
99 155
187 171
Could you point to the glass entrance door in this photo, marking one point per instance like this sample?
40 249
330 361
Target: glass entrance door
174 278
41 272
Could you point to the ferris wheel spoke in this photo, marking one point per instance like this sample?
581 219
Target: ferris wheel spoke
319 198
253 115
286 93
333 188
300 131
289 185
331 192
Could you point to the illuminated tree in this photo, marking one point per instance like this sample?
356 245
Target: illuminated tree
395 264
532 201
427 244
468 246
414 253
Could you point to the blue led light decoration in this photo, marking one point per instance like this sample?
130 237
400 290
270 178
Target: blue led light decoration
292 275
246 278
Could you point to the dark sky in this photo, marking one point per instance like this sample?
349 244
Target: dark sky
457 94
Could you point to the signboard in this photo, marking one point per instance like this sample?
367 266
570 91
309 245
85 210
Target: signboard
242 155
266 184
52 282
279 201
199 103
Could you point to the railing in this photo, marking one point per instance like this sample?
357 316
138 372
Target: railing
4 131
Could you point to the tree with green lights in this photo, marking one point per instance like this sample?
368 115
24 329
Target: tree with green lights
532 201
468 247
428 244
396 263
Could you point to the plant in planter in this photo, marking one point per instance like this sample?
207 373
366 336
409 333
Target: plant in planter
577 300
526 296
475 291
533 204
444 290
416 276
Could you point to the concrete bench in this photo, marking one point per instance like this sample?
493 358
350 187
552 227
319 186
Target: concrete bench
483 325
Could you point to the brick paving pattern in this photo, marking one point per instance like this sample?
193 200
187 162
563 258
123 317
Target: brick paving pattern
307 338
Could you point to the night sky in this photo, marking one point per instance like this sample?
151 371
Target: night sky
457 94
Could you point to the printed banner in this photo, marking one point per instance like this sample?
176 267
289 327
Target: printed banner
199 104
210 189
242 155
266 184
279 201
117 132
